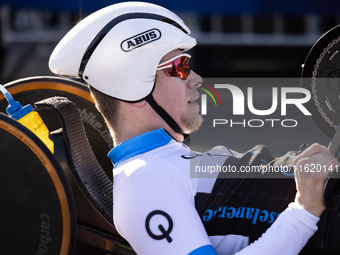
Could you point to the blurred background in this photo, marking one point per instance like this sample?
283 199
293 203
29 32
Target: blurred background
246 38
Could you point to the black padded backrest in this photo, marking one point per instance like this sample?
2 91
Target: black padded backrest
87 171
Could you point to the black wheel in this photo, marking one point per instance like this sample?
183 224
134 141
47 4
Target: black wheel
38 212
34 89
321 76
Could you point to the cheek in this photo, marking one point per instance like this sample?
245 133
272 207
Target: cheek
178 99
172 102
171 95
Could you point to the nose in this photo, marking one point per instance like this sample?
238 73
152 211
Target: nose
195 80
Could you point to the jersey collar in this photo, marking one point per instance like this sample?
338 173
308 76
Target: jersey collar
138 145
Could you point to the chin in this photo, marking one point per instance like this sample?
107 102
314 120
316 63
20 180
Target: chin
195 122
192 123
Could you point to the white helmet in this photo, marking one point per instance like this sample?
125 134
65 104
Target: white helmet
118 48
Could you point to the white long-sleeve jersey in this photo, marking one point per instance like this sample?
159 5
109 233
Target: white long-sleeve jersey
169 200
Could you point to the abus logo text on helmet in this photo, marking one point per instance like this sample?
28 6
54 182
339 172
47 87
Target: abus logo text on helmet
141 39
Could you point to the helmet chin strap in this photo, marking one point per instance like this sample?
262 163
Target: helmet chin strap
165 116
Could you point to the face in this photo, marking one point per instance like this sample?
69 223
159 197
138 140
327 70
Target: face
178 97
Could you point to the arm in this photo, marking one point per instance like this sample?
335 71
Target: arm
291 231
160 188
310 185
288 234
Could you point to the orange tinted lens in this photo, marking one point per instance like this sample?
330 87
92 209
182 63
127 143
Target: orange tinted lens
180 68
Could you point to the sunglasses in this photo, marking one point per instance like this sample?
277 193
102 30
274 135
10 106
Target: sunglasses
178 66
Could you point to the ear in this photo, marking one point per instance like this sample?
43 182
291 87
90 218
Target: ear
139 104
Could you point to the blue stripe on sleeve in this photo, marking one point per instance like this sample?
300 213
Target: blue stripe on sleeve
204 250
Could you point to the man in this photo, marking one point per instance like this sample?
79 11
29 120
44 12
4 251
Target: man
133 57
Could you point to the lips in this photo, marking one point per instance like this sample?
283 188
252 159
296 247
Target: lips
191 101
